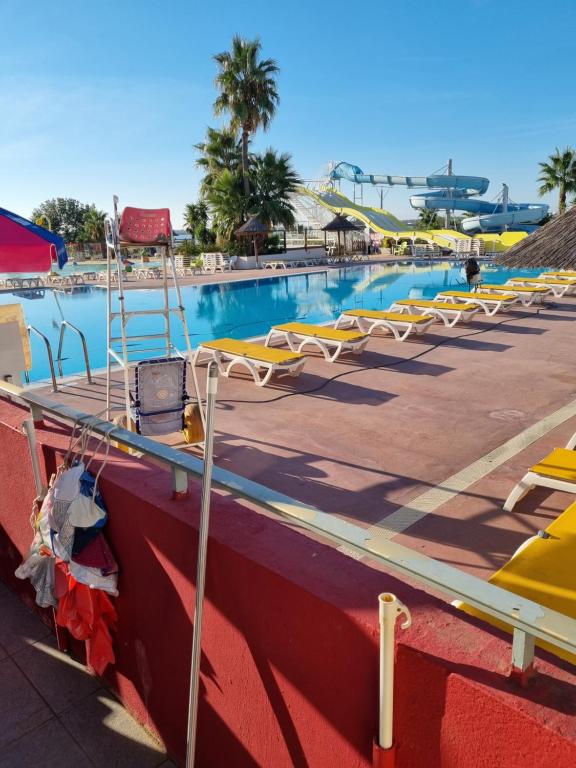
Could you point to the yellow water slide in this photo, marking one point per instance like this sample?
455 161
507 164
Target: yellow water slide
385 223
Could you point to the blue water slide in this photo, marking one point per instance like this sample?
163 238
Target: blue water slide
490 217
454 193
461 185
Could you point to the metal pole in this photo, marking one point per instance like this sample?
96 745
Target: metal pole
30 432
211 388
390 609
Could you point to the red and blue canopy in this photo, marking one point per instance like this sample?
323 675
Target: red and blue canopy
26 247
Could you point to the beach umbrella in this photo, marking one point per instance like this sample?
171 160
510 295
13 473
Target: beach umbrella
27 247
341 224
253 229
553 245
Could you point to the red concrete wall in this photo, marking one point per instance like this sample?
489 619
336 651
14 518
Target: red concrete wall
289 664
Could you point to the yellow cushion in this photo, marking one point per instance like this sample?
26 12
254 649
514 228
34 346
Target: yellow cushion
543 571
320 332
562 275
375 314
547 281
436 305
561 463
479 296
517 288
253 351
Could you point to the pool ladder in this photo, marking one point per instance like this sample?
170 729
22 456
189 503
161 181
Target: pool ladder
63 325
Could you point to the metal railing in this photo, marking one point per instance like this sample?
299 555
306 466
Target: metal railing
63 325
66 324
529 620
32 329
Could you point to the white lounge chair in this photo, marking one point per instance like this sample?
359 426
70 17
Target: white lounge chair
274 265
256 358
559 287
148 273
332 342
449 314
561 275
526 295
489 303
401 325
209 263
557 471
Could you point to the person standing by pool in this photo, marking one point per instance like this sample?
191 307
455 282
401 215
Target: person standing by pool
473 276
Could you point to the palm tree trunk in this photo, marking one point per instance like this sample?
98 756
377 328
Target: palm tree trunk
562 199
245 178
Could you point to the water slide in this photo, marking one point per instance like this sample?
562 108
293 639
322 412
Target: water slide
380 220
453 193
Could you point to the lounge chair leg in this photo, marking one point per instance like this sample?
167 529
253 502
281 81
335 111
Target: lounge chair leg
290 341
446 319
267 376
571 444
518 492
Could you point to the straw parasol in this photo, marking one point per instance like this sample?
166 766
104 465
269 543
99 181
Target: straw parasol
253 228
341 224
553 245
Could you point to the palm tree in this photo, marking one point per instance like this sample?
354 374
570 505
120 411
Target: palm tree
93 229
247 92
195 214
559 173
219 151
228 203
274 180
429 219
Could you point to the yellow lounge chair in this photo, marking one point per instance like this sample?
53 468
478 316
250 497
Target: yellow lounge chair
298 335
527 295
542 570
557 471
565 275
490 303
447 313
255 357
400 324
559 287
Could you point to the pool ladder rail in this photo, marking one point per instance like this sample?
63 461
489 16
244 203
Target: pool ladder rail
63 325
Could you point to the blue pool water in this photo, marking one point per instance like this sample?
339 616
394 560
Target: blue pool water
240 309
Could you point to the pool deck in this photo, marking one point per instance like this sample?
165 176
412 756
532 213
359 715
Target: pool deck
364 438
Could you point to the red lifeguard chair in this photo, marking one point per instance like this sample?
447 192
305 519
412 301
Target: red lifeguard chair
156 400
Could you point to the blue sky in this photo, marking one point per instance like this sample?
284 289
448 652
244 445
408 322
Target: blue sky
106 98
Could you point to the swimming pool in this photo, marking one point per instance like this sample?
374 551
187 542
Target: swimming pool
240 309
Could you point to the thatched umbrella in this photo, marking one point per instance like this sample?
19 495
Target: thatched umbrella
253 228
553 245
341 224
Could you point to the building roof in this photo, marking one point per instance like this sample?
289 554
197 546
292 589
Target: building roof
254 226
341 224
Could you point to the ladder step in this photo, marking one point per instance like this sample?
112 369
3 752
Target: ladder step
139 338
139 312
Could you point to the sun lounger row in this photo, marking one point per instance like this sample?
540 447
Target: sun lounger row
23 282
350 333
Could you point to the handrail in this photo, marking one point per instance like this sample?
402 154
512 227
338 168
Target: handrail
528 619
67 324
46 340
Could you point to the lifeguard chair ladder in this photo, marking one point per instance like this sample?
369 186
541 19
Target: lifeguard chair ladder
141 228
